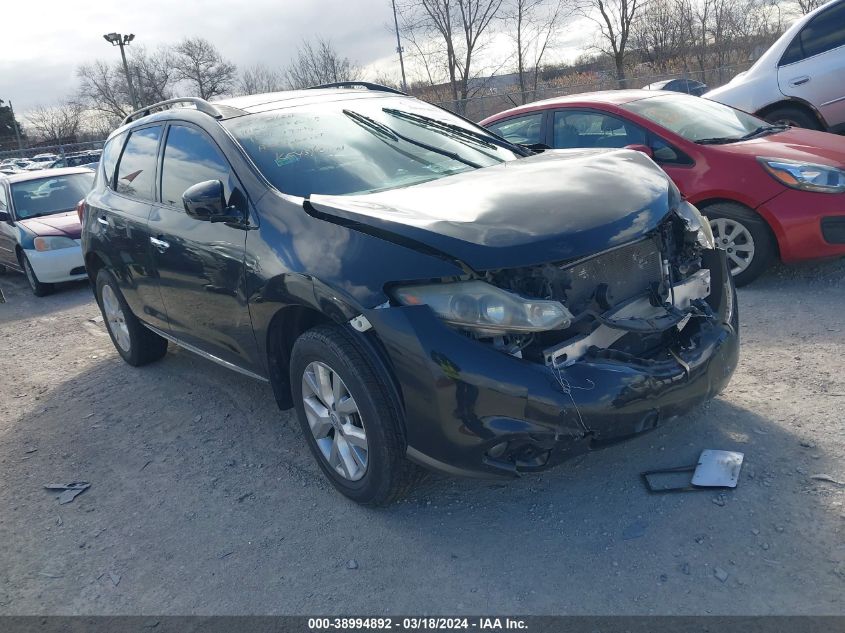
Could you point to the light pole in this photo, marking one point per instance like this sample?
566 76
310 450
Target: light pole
116 39
399 47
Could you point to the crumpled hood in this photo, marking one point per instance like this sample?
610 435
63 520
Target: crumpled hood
550 207
63 224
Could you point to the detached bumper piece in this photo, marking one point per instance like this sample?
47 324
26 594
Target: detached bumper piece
473 410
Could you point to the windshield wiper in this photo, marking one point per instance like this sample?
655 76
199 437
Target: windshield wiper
381 129
486 140
722 140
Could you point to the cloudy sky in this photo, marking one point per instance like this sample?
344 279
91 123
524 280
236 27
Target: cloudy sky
43 41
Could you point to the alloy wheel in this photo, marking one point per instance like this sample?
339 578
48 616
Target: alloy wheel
736 240
335 421
115 318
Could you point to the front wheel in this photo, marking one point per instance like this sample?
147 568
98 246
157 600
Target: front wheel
794 117
350 420
38 288
745 237
136 344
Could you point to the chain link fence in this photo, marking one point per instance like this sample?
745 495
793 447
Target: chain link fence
61 150
488 101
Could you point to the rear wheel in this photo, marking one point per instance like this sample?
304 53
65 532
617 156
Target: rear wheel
745 237
135 343
796 117
39 289
350 420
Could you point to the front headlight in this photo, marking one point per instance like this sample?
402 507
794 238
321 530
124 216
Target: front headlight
52 243
696 223
479 306
806 176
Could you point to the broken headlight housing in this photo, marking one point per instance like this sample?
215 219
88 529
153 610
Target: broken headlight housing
806 176
486 309
696 223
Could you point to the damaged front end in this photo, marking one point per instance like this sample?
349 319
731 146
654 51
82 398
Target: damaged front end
644 332
629 302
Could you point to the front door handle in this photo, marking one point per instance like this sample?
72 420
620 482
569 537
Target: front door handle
159 244
800 81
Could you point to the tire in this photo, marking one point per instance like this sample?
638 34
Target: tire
745 236
373 471
38 289
135 343
795 117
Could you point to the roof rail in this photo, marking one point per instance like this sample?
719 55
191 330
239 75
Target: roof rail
358 84
218 112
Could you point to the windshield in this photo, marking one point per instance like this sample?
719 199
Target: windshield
697 119
362 145
46 196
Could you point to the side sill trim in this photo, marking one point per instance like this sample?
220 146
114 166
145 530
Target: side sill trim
205 355
434 464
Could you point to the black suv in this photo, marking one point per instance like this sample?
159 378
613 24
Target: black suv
420 290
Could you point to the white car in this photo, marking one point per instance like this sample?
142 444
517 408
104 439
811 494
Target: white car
800 80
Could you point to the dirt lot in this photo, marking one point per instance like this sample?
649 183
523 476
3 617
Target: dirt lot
204 499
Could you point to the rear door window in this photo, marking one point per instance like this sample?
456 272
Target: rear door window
136 170
823 33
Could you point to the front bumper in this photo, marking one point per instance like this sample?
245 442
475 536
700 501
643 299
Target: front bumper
797 218
64 264
471 410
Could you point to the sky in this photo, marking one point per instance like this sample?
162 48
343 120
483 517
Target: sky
43 41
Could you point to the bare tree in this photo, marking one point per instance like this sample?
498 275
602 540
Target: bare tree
259 79
198 63
56 123
153 75
615 19
807 6
532 25
319 63
460 27
658 34
103 89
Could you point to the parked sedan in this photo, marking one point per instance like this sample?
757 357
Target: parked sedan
800 79
39 226
770 191
416 288
689 86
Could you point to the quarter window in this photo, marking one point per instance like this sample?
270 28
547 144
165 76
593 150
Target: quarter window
190 157
526 130
111 152
136 171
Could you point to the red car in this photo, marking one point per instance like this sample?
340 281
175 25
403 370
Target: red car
770 191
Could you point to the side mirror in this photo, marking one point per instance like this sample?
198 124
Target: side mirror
5 217
206 201
645 149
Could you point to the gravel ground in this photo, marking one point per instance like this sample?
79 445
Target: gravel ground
205 500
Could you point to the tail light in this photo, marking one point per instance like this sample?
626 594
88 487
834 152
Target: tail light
80 211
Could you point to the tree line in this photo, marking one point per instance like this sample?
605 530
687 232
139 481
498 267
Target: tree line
453 49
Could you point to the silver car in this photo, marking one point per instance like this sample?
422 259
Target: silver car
800 80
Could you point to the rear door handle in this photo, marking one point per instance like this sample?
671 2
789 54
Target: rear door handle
800 81
159 244
102 221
